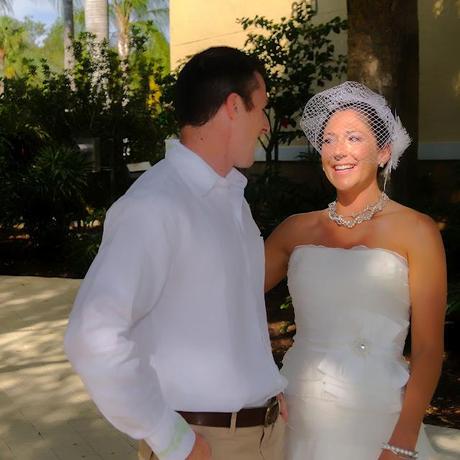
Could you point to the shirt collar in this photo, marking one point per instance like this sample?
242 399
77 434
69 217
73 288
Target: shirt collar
197 173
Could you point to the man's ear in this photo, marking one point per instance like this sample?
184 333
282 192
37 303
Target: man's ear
233 105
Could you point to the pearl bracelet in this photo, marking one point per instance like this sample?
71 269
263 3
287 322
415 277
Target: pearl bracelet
404 453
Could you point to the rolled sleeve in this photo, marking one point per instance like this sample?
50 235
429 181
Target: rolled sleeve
173 440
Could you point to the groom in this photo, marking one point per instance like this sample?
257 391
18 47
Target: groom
168 331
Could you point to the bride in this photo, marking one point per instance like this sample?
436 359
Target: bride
359 273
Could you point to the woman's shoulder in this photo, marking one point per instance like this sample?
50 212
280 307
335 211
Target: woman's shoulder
412 225
411 217
296 229
302 222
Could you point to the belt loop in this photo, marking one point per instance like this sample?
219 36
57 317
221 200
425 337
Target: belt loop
233 422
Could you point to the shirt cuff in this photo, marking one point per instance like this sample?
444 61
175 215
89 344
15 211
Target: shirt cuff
173 440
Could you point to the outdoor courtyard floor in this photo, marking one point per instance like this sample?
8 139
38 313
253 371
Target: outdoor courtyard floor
45 412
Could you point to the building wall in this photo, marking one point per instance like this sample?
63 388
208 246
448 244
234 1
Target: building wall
196 25
439 96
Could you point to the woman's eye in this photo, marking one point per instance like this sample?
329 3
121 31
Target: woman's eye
355 138
327 140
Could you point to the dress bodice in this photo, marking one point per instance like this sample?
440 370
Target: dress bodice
352 309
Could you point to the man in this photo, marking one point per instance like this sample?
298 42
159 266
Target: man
169 330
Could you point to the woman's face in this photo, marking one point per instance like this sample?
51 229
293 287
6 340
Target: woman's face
349 153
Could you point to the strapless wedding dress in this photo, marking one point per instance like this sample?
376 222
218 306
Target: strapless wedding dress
346 371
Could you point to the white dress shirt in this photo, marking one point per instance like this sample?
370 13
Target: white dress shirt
171 314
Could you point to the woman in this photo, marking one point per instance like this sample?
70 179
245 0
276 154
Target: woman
358 272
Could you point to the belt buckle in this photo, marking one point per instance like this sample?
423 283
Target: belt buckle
272 412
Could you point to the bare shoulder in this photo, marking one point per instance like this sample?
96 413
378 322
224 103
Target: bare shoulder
296 229
301 222
413 226
411 217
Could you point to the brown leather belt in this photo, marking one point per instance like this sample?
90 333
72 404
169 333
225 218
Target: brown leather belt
257 416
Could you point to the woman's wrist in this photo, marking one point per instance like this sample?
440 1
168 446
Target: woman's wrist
401 452
404 436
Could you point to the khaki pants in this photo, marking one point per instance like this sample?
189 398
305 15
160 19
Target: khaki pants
253 443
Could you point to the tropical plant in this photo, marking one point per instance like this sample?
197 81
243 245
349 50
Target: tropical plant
299 55
122 10
124 115
52 194
13 40
132 13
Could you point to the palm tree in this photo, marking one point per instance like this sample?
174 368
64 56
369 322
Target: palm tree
12 39
67 15
124 10
5 6
97 18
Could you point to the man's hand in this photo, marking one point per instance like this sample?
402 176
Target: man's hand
201 449
283 406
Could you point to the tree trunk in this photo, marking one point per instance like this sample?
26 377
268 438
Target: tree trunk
67 10
122 18
5 6
97 18
383 53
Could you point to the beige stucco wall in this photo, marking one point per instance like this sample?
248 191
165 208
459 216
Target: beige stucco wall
439 32
198 24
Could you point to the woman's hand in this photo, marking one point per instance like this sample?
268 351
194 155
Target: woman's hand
387 455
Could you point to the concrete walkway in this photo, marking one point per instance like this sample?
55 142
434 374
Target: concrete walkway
45 412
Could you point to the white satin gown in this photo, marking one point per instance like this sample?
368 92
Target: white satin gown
346 371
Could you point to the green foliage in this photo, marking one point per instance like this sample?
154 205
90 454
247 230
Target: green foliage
273 197
26 42
298 55
52 194
52 49
44 192
85 241
155 45
44 181
15 39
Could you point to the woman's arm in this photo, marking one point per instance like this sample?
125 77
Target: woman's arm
277 254
428 292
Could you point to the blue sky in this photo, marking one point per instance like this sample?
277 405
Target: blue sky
45 11
40 10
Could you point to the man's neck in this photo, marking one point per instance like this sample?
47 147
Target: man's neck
209 144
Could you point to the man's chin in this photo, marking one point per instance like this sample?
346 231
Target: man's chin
245 164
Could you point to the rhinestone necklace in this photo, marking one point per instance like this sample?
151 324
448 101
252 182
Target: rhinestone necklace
359 217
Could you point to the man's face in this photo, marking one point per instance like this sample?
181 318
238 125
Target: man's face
250 126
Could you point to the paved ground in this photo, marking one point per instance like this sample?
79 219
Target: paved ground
45 413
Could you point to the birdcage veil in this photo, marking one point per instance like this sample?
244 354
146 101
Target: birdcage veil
387 128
